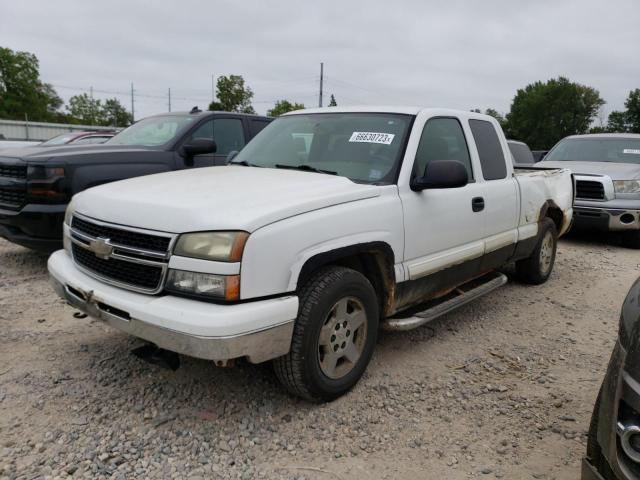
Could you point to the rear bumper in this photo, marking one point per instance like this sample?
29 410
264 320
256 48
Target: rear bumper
259 330
606 219
34 226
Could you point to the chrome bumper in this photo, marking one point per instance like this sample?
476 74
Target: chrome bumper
612 219
257 347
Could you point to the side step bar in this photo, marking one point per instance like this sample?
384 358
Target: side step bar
460 296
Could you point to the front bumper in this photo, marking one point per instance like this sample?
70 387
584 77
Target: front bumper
34 226
606 219
259 330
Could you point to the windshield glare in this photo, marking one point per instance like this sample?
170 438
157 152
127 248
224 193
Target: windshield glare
364 147
152 131
617 150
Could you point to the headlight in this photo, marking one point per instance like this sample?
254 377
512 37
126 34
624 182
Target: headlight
626 186
46 184
223 287
217 246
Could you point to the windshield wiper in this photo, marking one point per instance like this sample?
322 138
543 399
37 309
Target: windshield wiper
244 163
305 168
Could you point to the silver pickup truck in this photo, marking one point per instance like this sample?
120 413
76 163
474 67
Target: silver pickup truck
607 174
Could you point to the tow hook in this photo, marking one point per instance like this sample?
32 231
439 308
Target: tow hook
79 315
158 356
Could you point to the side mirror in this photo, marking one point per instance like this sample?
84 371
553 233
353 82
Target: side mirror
232 154
441 174
199 146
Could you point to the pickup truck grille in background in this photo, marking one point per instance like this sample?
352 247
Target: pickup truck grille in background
12 198
134 260
13 187
13 171
589 189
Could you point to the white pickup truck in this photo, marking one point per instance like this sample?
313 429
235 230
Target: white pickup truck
330 224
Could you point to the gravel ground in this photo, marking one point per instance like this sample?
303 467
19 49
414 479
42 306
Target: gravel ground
502 388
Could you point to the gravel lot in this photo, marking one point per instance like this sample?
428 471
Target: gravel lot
502 388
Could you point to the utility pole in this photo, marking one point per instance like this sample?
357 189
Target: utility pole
169 98
213 88
321 78
133 115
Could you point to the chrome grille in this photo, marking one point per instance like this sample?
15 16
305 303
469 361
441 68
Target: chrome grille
590 190
122 256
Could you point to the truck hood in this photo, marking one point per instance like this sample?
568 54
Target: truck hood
70 153
617 171
217 198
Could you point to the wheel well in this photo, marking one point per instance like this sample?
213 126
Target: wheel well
374 260
552 211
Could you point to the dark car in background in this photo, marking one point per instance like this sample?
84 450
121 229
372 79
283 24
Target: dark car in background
613 444
538 155
607 173
78 138
520 153
37 183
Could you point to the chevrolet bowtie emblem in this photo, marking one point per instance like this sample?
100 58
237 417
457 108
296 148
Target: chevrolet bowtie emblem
101 248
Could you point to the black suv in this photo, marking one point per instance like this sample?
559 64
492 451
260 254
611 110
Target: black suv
613 445
37 183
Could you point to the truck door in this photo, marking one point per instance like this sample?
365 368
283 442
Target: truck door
229 134
499 193
442 229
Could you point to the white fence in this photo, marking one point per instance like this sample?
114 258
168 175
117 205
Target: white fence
21 130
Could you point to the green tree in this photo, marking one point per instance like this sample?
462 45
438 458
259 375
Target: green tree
633 110
283 106
21 90
115 114
332 101
618 122
85 110
543 113
233 95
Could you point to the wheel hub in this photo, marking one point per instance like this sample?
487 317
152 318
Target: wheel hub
342 337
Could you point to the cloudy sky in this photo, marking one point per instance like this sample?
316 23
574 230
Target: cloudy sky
456 53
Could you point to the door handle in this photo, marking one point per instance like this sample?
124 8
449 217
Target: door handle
477 204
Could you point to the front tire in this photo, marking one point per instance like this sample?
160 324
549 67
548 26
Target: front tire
334 335
538 267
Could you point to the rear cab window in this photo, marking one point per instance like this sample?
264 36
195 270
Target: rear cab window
490 150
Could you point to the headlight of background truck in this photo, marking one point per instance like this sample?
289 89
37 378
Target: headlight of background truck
46 184
626 186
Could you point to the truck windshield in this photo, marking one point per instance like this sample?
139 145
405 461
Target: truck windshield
364 147
617 150
152 131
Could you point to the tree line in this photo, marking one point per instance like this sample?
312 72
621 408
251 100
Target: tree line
24 96
540 115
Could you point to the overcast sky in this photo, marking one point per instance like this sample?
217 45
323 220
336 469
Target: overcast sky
456 53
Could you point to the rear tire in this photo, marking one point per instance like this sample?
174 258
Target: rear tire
632 239
537 268
334 335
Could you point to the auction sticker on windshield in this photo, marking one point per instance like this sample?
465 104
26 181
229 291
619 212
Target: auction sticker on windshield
633 151
372 137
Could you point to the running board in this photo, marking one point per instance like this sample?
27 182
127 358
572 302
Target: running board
460 296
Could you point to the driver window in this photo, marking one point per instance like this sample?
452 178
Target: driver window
442 139
204 131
